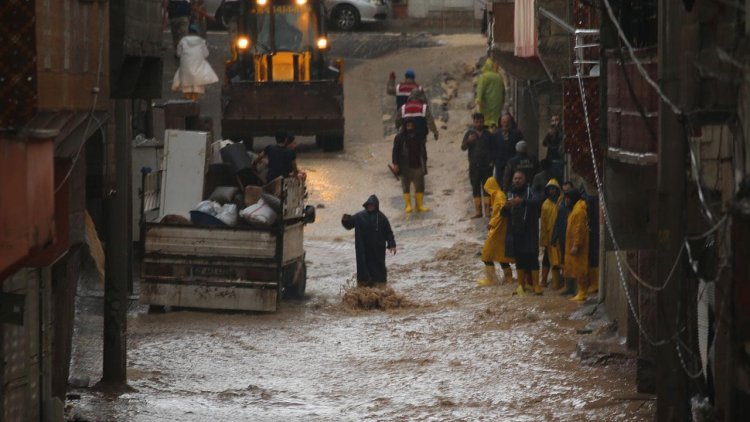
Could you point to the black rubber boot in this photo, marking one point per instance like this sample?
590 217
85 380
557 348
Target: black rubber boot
570 287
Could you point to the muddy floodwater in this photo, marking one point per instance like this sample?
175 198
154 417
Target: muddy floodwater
450 351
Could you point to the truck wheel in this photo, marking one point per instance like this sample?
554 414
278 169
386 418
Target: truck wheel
333 143
298 283
156 309
346 17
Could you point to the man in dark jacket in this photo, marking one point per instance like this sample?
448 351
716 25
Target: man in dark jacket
522 161
179 12
372 236
504 141
554 143
479 146
409 161
522 239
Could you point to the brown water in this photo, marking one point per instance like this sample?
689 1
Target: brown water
463 353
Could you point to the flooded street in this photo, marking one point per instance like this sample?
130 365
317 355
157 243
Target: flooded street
460 352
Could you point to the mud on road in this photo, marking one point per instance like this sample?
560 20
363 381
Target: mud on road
458 352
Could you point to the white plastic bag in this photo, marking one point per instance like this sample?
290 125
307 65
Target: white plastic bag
259 213
228 214
208 207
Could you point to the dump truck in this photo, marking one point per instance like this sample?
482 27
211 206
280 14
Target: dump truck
214 266
280 78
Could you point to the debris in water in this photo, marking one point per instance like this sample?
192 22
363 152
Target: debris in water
373 298
459 250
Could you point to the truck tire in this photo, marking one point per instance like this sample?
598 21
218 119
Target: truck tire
296 287
331 143
220 19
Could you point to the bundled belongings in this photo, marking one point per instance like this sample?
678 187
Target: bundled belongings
260 213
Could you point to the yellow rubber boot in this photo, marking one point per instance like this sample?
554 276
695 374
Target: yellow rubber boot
521 276
477 208
581 296
407 201
420 203
490 278
535 281
556 280
545 277
507 275
593 281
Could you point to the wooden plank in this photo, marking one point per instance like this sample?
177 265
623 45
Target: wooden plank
204 297
207 242
294 243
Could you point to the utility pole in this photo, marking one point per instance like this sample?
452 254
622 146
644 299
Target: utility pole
119 254
672 384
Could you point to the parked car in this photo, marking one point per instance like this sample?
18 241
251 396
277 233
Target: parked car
348 14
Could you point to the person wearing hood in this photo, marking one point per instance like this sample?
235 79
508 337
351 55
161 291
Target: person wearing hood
372 236
194 72
409 161
558 236
522 161
577 243
551 260
179 12
490 93
403 89
522 239
592 202
497 229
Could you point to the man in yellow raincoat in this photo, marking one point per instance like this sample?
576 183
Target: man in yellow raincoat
551 251
490 94
577 243
494 246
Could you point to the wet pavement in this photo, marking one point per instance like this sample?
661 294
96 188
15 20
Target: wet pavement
460 353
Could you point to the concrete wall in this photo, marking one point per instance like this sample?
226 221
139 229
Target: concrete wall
447 8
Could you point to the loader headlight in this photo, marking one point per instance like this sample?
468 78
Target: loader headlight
261 2
243 43
322 43
301 2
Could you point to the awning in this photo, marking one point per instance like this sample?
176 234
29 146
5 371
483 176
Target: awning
521 68
72 128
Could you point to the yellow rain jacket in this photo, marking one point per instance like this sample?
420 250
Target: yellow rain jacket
577 235
494 246
490 93
549 215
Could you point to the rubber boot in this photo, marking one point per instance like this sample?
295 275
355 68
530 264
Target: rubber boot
477 208
570 287
420 203
507 275
407 201
545 276
521 276
556 281
490 278
593 281
535 282
581 296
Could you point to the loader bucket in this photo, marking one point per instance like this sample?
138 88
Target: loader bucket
251 109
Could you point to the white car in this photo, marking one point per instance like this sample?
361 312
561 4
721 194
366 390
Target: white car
348 14
344 14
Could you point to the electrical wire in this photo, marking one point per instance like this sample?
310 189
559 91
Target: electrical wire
676 110
95 93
